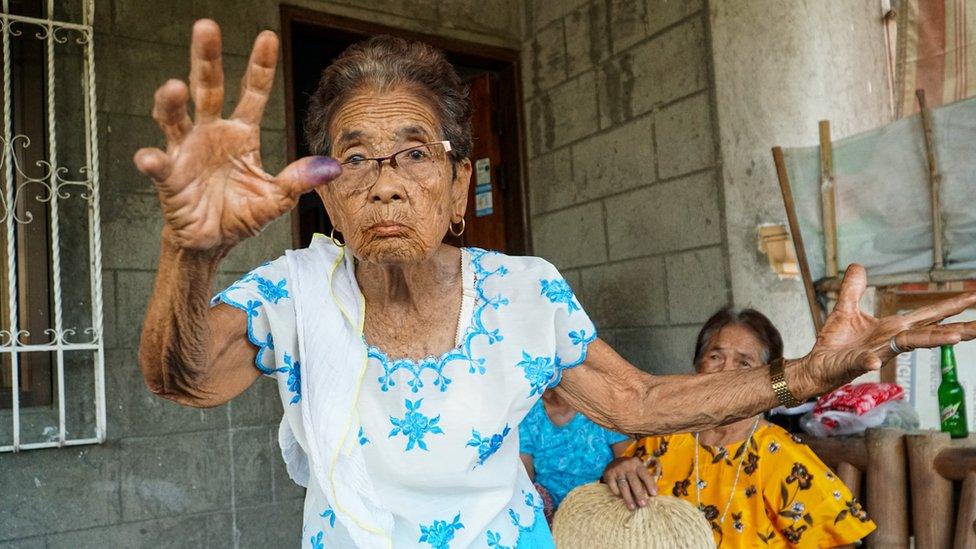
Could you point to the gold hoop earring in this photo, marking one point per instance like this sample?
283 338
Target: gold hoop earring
334 241
457 232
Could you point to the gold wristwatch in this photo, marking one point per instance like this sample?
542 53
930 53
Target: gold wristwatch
778 379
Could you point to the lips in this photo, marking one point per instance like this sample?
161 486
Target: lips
388 228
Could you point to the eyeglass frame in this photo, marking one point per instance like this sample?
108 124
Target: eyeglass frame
381 159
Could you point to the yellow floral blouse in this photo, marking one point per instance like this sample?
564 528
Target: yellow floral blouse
785 497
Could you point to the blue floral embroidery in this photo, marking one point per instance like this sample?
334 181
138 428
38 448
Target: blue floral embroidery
440 533
294 371
415 425
272 292
558 291
495 538
487 446
461 353
538 372
580 338
316 540
363 441
330 515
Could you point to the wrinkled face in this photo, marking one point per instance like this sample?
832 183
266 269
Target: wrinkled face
398 218
733 347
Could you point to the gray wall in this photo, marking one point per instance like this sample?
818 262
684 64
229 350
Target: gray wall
623 168
172 476
780 67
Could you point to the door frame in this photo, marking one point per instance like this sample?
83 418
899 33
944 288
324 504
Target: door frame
503 62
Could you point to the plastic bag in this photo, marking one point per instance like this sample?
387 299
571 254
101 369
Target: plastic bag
852 409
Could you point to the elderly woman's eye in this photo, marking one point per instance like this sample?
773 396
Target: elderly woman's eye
418 155
354 160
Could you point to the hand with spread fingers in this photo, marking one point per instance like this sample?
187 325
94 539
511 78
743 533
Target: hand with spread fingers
853 342
212 187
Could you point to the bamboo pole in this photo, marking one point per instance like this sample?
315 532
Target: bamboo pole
827 199
801 253
935 180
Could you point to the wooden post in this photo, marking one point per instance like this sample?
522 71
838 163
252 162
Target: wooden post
801 253
827 198
931 492
935 180
966 521
887 498
851 477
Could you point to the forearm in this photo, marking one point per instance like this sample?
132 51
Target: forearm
175 350
615 394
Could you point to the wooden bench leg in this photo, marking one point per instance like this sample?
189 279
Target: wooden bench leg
886 484
931 492
966 521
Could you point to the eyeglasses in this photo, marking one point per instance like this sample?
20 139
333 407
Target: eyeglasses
420 163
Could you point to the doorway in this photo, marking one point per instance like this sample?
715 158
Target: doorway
496 217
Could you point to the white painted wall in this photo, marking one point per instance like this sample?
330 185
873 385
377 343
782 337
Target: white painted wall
779 68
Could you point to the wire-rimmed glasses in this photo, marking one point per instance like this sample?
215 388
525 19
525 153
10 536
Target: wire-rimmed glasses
419 163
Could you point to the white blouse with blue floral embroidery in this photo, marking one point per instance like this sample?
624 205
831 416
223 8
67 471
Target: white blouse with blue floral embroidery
439 435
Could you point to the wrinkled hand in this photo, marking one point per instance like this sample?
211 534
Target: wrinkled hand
210 182
853 342
629 478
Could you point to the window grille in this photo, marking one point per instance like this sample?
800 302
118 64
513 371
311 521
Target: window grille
52 381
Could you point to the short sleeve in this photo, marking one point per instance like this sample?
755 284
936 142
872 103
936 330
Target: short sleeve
614 437
809 504
573 329
263 295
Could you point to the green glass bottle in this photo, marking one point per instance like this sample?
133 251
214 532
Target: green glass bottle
952 401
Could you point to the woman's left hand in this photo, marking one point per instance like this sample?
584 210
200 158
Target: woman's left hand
853 342
628 478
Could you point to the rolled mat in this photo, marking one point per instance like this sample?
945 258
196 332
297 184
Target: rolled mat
592 517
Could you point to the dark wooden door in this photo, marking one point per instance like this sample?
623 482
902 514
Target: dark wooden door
485 217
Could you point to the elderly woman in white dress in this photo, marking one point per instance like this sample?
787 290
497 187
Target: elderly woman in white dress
405 365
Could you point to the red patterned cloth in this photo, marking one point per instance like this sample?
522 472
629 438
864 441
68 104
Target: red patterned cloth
859 398
548 507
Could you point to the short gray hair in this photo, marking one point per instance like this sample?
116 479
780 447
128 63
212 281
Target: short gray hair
386 62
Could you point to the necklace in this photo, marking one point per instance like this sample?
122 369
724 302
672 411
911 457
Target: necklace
738 470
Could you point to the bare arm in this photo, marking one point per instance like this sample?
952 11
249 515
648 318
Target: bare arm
615 394
529 465
189 352
214 193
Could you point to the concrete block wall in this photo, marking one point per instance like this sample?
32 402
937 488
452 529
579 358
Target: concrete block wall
625 191
167 475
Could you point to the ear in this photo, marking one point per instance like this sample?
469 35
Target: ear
459 189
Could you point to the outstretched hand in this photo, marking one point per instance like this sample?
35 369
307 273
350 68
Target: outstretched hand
210 181
853 342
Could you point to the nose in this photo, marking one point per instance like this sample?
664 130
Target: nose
388 188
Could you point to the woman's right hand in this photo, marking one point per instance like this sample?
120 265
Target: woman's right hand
629 478
213 190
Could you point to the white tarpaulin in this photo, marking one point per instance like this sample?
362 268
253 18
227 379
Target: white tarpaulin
882 194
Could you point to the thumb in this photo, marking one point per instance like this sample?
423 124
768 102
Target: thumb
307 173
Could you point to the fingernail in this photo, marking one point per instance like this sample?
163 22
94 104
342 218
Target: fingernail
643 503
323 169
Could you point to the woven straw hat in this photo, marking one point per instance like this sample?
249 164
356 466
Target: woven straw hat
592 517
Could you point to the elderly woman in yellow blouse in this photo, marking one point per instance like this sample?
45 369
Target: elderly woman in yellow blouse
755 483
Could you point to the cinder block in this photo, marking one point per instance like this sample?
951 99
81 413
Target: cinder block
132 410
566 113
540 13
628 23
572 237
260 404
587 39
501 18
175 474
615 161
213 531
252 465
109 318
131 229
274 151
26 543
121 137
663 13
685 136
134 289
544 59
285 489
625 295
551 183
660 351
275 525
56 490
649 72
697 286
665 217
